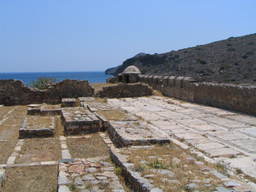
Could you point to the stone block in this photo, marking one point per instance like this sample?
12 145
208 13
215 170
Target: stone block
127 133
171 81
78 120
69 102
32 127
179 82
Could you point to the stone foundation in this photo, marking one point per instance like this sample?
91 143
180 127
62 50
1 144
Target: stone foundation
78 120
40 110
132 178
69 102
128 133
27 132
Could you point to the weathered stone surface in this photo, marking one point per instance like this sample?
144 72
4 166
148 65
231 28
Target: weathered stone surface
216 132
13 92
126 90
69 102
79 120
63 188
89 174
32 128
126 133
2 177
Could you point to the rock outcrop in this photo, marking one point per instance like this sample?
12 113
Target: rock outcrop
229 61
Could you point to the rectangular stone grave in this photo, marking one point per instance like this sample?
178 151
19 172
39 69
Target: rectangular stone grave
38 109
78 120
34 109
69 102
127 133
37 126
96 106
84 100
50 110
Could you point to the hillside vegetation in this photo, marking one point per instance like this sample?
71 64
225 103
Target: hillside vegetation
232 60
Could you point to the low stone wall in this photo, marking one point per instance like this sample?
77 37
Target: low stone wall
227 96
125 90
14 92
232 97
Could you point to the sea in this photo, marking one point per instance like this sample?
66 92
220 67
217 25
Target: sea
28 78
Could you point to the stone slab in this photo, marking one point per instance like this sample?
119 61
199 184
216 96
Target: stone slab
78 120
231 124
223 152
189 135
249 131
126 133
209 146
248 145
244 118
69 102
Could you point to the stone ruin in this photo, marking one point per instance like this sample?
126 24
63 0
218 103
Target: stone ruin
14 92
129 75
131 126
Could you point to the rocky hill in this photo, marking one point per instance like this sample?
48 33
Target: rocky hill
232 60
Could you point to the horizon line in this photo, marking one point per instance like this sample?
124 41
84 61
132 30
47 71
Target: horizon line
52 72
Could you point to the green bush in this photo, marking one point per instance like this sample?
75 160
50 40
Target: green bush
201 61
43 83
156 164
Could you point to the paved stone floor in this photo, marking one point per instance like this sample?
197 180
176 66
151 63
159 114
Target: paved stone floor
223 136
220 137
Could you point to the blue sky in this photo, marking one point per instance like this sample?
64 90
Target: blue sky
92 35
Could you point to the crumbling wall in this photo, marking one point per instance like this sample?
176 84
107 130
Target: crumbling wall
227 96
14 92
125 90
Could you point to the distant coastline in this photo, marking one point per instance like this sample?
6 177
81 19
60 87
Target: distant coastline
28 77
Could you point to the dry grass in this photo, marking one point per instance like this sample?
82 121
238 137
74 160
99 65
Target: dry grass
39 149
4 110
91 146
185 172
113 115
47 106
59 129
38 122
6 148
157 93
31 179
100 100
9 132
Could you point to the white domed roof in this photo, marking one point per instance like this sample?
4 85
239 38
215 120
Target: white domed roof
132 69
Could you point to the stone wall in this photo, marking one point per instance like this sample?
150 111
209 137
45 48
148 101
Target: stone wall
227 96
125 90
14 92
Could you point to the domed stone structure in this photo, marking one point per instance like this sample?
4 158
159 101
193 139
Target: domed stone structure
129 75
131 70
